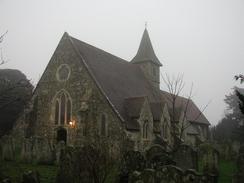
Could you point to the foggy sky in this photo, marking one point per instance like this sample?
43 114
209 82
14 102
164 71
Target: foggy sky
202 39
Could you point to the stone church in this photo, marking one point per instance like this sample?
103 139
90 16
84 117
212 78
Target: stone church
85 90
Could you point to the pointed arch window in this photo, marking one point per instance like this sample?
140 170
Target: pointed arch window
56 112
166 129
165 134
63 109
145 130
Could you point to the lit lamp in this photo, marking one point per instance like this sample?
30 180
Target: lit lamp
72 124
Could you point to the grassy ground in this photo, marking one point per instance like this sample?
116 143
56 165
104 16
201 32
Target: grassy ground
226 170
48 173
15 171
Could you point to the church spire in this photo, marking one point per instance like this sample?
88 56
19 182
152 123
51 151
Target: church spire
145 52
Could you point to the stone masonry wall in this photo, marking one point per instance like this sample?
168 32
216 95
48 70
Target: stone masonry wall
88 103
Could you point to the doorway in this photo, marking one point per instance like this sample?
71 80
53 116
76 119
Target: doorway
62 135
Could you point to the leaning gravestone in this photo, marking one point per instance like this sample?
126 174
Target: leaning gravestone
185 157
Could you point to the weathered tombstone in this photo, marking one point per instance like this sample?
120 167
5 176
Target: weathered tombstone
192 176
31 177
185 157
26 151
59 149
239 176
156 156
148 175
169 173
209 158
8 148
131 161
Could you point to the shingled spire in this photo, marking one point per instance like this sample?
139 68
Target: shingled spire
145 52
147 60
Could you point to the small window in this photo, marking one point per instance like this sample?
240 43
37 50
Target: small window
165 133
63 72
154 71
103 126
145 130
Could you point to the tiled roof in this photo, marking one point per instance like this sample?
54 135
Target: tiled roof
123 84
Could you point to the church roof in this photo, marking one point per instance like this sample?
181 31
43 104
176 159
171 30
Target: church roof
145 52
121 82
193 114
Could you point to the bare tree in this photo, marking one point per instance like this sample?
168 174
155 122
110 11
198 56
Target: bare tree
178 104
239 77
2 60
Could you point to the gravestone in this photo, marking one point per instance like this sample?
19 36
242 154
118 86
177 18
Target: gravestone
8 148
131 161
31 177
209 158
156 156
39 150
239 176
185 157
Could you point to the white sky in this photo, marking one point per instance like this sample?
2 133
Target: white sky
203 39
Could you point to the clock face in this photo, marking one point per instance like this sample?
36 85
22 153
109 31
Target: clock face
63 72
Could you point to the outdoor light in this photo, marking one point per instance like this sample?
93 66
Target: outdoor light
72 123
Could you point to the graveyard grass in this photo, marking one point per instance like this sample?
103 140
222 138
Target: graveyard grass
15 170
226 170
48 172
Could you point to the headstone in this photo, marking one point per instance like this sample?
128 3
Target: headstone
31 177
8 148
209 158
131 161
185 157
156 156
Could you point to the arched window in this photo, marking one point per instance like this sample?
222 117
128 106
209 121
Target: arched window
103 126
165 134
62 111
145 130
62 108
56 112
68 111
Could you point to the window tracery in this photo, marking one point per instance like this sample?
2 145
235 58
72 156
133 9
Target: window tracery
63 109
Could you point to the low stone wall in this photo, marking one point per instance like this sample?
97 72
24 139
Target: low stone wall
172 174
29 150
